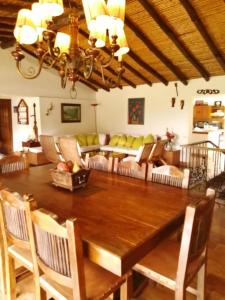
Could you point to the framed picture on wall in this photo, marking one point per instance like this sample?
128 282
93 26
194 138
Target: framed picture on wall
136 108
70 113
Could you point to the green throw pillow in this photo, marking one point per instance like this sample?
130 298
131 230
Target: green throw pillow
82 139
114 140
130 140
122 141
138 141
90 139
96 140
148 139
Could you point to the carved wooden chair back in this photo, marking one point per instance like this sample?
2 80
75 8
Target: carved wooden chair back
14 217
49 148
157 154
69 150
59 251
195 237
13 163
146 152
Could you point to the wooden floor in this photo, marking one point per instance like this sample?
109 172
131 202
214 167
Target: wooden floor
215 276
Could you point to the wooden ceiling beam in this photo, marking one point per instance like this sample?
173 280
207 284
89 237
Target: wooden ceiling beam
8 20
204 33
148 43
88 84
7 42
148 68
6 34
6 27
137 73
123 78
169 32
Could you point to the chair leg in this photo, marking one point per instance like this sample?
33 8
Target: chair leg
180 294
201 283
10 277
126 289
2 272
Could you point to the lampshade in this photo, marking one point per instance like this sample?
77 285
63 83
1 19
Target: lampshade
40 18
62 41
99 33
25 32
122 42
92 10
52 7
116 9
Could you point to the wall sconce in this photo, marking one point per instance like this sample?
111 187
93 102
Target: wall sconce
50 108
181 104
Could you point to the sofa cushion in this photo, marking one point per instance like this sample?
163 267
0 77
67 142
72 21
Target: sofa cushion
114 140
122 141
82 139
96 139
138 142
130 140
90 139
148 139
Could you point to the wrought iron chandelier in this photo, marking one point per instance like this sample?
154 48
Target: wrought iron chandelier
60 48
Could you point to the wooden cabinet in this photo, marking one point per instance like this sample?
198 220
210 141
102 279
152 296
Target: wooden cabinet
172 157
209 114
36 159
202 113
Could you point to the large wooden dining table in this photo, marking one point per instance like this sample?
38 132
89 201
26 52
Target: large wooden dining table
121 218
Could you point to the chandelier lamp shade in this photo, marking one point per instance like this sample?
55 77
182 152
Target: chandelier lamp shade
58 46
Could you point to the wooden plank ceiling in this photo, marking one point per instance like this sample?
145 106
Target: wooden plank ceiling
169 40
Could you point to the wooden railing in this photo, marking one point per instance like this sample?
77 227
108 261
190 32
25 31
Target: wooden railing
205 160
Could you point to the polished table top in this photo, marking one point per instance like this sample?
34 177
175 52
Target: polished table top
121 218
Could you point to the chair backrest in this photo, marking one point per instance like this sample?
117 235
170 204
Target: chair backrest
158 151
69 149
49 148
59 251
197 223
145 152
13 163
13 216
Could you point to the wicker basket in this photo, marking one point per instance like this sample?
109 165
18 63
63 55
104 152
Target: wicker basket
69 180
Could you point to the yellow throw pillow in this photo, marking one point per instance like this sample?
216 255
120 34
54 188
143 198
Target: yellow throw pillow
90 139
114 140
129 142
82 139
76 167
122 141
148 139
137 142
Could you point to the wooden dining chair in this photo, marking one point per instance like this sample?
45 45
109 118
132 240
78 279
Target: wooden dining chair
14 215
174 264
13 163
50 149
64 272
135 166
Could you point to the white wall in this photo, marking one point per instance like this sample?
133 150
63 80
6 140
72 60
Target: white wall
112 111
51 124
43 90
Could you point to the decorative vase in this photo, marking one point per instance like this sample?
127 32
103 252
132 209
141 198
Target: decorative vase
169 146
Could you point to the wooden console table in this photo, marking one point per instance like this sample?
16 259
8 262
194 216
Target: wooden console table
172 157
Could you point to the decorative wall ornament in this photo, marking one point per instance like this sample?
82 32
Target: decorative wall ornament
136 111
208 91
50 108
176 86
181 104
173 101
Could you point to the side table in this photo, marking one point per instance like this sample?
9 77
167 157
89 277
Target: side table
172 157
